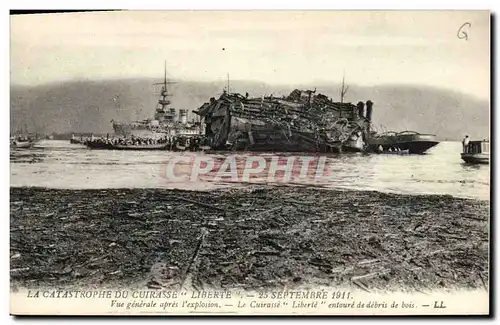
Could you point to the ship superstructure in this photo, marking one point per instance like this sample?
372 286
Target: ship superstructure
166 121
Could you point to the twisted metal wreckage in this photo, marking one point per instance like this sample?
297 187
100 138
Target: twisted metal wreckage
304 121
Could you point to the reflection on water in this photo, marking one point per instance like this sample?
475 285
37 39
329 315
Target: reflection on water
59 164
27 156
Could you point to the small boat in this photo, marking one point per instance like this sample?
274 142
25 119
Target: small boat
158 146
98 145
112 146
23 139
477 152
22 144
413 142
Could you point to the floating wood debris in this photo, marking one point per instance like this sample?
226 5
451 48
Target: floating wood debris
200 203
282 244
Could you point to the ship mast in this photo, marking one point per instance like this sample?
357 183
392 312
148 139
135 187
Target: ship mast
164 100
343 91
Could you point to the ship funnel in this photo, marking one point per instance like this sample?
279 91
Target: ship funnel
183 116
369 110
361 109
172 114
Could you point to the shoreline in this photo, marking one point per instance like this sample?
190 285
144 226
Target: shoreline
228 186
253 237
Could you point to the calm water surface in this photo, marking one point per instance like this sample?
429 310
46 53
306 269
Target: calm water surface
59 164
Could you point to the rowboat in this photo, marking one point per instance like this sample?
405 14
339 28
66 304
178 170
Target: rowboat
158 146
112 146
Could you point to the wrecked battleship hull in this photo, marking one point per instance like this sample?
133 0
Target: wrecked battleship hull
297 123
256 135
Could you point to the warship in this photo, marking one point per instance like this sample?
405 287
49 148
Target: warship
166 120
303 121
167 130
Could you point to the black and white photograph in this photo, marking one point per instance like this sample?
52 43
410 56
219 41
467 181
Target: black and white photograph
250 162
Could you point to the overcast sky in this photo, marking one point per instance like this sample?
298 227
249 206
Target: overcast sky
275 47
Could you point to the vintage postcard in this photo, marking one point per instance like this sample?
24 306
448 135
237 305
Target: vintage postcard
250 163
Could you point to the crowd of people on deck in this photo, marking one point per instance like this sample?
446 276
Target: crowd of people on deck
167 142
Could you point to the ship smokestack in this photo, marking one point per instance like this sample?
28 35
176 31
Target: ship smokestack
361 109
183 116
369 110
354 112
172 114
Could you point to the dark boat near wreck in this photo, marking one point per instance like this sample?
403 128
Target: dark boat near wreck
478 152
161 146
413 142
112 146
176 144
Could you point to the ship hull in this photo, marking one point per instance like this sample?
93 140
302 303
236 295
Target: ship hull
290 147
98 145
401 152
126 131
417 147
140 147
276 140
108 146
476 158
22 144
301 122
414 143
